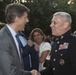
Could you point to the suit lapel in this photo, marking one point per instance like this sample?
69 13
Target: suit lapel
11 37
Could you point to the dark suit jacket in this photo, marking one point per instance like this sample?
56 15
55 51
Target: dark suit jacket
63 56
32 61
9 57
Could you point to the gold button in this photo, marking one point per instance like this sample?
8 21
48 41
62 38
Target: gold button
53 68
62 37
57 42
55 50
54 59
61 54
57 38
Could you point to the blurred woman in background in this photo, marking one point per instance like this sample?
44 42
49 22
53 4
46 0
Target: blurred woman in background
39 38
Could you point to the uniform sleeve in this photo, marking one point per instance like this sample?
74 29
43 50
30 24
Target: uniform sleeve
72 50
35 59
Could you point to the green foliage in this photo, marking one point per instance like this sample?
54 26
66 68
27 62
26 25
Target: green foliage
41 12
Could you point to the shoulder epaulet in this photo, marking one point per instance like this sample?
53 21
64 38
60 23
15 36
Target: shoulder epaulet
73 35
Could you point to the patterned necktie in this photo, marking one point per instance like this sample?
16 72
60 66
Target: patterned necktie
20 48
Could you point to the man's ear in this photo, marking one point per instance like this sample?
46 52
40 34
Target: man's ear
66 24
16 18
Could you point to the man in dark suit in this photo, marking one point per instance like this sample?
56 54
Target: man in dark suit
63 53
10 54
29 53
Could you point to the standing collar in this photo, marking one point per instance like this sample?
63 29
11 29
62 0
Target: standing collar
65 35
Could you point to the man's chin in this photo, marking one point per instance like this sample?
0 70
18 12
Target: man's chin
22 29
54 34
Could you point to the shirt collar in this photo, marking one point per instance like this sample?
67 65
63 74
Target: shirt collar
11 30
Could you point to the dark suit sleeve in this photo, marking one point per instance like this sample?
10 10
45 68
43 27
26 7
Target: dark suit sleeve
35 59
72 53
26 50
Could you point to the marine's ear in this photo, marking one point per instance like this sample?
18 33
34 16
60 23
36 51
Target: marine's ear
66 24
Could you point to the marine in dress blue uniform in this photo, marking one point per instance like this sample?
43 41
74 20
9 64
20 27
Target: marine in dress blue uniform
63 53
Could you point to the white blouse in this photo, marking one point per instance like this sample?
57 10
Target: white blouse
44 46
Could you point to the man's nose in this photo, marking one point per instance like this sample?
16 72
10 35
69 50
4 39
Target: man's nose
27 20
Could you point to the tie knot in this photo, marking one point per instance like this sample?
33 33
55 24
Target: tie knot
18 34
17 37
